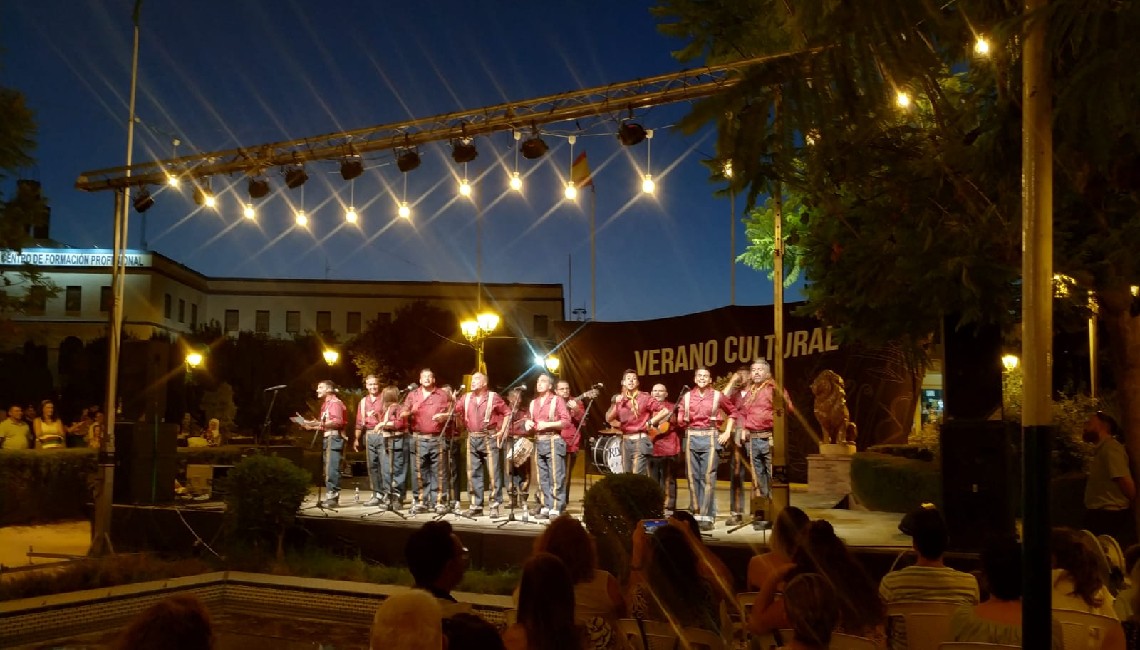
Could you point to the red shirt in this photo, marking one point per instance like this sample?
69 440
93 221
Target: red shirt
633 413
702 410
473 411
368 413
754 406
572 433
549 408
391 415
669 443
332 415
423 407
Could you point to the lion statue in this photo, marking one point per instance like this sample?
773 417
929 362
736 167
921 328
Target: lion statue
831 409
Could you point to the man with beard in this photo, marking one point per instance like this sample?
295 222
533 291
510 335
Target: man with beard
426 409
331 424
700 412
481 413
572 433
755 413
666 446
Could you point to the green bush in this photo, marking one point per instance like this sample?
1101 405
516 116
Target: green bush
894 484
263 495
45 485
613 506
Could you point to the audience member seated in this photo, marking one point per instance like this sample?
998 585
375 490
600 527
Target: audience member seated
14 432
437 559
1131 624
665 581
470 632
928 580
94 437
997 619
179 622
813 612
1077 583
861 611
1124 600
49 429
546 608
711 567
596 592
411 620
213 432
786 531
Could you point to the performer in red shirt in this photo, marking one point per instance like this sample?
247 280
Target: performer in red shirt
629 412
481 413
572 434
666 447
700 412
519 450
755 413
331 423
547 418
394 454
426 408
368 414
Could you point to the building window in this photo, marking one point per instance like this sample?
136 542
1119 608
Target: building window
261 324
166 303
324 321
73 300
37 301
231 320
193 315
105 299
384 318
181 310
352 326
293 322
541 326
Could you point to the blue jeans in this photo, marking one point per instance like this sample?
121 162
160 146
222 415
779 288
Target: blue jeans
752 461
663 469
394 469
429 468
334 447
551 471
483 453
701 465
376 450
635 452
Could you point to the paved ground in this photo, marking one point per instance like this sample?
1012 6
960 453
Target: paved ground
64 538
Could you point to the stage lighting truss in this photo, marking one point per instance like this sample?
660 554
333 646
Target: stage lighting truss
144 201
463 150
295 177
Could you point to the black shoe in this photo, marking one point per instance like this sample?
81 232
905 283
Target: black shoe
734 520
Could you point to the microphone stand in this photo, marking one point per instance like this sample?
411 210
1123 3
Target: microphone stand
452 499
320 505
263 435
578 434
510 464
387 508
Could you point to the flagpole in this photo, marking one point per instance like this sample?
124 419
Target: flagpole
593 253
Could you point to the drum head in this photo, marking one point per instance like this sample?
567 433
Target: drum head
605 451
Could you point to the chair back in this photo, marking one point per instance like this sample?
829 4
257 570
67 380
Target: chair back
840 641
927 624
696 638
648 635
976 645
1081 630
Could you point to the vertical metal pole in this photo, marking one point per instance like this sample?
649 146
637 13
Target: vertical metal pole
779 482
101 532
1037 325
593 254
478 254
569 285
1094 374
731 246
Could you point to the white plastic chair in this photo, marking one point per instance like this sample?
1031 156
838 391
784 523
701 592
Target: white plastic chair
927 624
1081 630
976 645
656 636
840 641
702 639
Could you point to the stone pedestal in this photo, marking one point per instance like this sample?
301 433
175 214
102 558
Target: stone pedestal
829 474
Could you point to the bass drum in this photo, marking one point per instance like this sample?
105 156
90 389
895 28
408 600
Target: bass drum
606 454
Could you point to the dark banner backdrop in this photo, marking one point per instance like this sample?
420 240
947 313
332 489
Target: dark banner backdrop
881 392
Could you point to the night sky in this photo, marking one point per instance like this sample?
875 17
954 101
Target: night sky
219 74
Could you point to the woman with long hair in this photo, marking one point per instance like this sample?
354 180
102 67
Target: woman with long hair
813 612
596 592
179 622
546 608
666 582
786 531
48 428
1077 582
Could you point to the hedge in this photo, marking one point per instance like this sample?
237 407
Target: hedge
894 484
41 486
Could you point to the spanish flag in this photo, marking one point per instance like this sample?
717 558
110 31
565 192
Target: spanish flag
580 172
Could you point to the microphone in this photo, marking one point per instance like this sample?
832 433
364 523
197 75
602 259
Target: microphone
411 387
277 387
522 387
598 386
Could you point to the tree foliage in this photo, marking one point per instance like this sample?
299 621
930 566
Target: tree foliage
419 334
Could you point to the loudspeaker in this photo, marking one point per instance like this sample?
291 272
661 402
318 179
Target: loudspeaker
977 481
971 372
144 378
145 462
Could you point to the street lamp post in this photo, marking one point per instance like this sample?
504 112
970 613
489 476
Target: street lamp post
476 332
331 356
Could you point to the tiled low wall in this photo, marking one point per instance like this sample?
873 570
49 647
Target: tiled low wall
43 619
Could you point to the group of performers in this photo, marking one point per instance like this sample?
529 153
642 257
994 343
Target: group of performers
429 426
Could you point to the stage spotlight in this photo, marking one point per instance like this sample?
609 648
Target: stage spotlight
408 160
533 148
463 150
204 197
258 188
295 177
631 133
144 201
351 168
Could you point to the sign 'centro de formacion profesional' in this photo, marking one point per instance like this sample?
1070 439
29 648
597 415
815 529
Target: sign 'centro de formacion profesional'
70 257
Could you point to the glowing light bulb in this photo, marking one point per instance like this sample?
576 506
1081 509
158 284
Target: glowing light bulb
249 211
571 191
981 47
405 212
210 200
465 188
647 184
728 169
350 216
902 99
302 220
516 182
171 180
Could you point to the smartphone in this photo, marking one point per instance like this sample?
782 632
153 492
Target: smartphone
651 525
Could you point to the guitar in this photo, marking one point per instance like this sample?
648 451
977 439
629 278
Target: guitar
661 428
